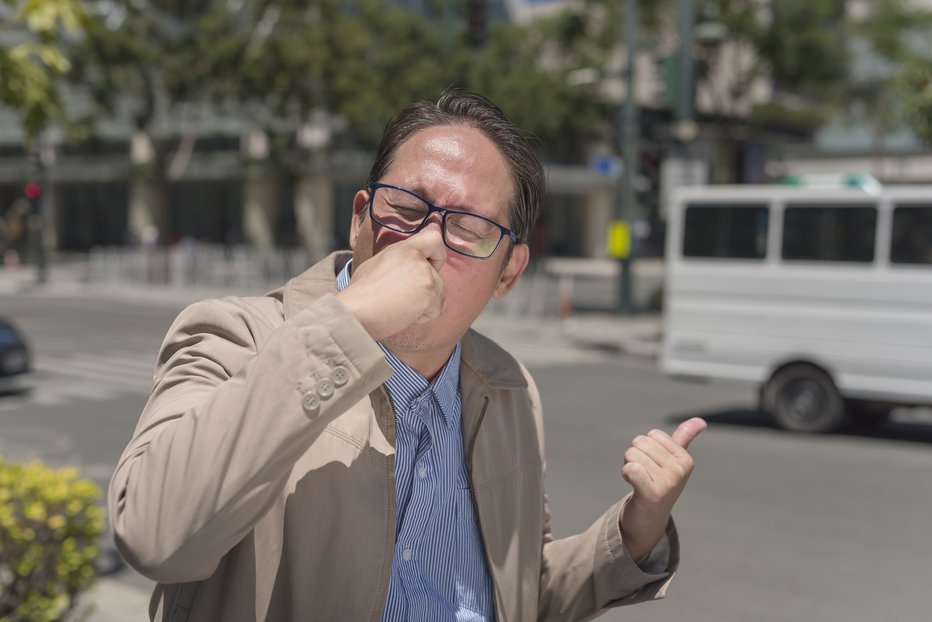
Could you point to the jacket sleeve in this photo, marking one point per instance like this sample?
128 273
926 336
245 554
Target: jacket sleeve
224 425
584 575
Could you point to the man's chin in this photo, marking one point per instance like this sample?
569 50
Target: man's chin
419 340
397 343
411 339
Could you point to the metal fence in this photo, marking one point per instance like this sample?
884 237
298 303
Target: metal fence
551 286
198 265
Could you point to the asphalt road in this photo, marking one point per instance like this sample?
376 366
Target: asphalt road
774 527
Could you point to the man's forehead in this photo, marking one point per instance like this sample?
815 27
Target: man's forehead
444 150
453 142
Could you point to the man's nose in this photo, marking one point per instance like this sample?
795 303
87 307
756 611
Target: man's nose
434 218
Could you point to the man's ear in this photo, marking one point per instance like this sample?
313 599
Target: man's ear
360 202
513 269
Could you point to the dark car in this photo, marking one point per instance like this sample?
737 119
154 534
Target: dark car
14 359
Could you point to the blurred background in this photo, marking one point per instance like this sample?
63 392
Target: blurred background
153 153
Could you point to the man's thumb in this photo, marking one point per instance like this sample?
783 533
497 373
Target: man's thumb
688 430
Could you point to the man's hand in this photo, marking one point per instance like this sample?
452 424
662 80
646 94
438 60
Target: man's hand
398 286
657 467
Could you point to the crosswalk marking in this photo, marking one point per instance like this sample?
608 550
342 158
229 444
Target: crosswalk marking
93 376
88 368
128 360
103 376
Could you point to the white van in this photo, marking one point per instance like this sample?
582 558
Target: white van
823 297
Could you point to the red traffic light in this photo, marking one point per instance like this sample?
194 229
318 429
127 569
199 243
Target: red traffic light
33 191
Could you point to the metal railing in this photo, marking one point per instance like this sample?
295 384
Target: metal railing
551 286
198 265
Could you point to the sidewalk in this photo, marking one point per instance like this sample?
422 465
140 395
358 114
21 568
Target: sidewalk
636 335
529 313
114 599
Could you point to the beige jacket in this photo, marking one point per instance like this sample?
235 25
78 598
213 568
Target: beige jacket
259 483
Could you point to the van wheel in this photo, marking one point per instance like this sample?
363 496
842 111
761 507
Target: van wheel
803 398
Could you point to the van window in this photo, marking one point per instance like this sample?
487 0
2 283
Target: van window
727 231
829 233
912 235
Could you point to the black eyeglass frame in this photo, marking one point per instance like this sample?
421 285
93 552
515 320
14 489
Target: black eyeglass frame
431 208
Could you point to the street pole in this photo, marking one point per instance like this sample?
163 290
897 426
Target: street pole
627 137
685 125
36 173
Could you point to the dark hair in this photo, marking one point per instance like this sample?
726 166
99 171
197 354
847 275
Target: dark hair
457 107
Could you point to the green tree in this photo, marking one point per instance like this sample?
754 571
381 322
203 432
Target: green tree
823 60
276 61
916 81
797 46
33 60
890 33
149 63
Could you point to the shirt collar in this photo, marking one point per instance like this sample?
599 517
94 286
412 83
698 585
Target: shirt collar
406 385
343 278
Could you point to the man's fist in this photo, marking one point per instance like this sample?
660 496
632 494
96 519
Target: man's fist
657 466
398 286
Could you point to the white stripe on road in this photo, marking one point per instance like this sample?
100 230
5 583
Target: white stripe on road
108 372
103 376
143 363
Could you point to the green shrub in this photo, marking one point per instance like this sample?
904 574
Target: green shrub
49 525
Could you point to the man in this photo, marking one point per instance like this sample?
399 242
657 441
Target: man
346 448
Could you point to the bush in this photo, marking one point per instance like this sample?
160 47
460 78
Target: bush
49 525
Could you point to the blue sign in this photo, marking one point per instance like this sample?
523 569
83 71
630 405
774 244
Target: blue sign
604 165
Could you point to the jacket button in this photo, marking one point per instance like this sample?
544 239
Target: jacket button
339 376
310 402
325 388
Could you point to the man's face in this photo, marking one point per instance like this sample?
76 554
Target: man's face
454 167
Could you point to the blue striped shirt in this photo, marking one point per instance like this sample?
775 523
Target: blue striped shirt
438 570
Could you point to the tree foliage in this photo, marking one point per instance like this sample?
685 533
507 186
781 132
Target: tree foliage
813 53
30 65
916 80
274 62
891 34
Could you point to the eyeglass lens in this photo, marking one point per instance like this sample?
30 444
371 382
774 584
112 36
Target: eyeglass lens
466 233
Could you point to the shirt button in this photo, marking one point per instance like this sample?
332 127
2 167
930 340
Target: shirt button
421 471
406 554
325 388
339 376
310 402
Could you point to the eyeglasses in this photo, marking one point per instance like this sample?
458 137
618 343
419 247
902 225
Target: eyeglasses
405 212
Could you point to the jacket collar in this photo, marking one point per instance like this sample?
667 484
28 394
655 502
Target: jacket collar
483 361
316 281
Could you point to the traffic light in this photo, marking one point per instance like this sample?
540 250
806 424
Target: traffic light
33 192
476 13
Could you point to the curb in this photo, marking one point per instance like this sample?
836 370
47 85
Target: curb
637 336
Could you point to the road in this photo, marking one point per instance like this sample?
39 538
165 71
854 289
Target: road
774 527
